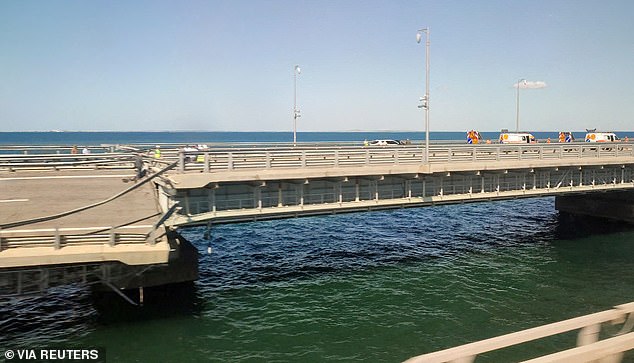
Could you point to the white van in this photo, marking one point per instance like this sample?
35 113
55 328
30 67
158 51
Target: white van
517 138
601 137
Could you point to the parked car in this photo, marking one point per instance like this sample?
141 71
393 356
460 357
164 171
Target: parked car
384 143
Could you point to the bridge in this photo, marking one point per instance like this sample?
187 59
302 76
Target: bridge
110 217
62 208
82 218
228 185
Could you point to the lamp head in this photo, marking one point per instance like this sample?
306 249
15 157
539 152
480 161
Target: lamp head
419 34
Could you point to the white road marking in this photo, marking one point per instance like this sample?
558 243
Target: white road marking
13 200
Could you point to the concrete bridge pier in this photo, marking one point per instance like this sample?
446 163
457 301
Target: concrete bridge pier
616 205
182 266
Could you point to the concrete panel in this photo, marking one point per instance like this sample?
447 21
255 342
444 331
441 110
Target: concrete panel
617 205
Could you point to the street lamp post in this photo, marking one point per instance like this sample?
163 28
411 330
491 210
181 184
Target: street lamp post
296 113
517 106
425 99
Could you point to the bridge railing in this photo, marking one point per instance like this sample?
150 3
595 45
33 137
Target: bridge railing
62 237
589 347
53 149
304 157
65 161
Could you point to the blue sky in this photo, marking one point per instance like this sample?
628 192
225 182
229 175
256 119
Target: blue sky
228 65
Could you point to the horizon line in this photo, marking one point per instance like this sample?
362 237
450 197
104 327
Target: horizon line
278 131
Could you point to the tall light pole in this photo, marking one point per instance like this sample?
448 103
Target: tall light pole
517 105
296 113
425 99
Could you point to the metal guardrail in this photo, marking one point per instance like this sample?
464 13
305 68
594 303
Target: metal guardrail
65 161
303 157
589 347
53 149
223 157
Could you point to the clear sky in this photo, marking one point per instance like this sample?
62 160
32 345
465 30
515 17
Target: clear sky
228 65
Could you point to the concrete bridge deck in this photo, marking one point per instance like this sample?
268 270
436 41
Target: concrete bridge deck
114 231
224 185
192 180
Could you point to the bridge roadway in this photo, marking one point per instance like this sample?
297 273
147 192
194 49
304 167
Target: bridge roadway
116 231
246 184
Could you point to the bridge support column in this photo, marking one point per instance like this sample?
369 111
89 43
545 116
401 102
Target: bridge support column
580 177
376 189
258 196
301 194
213 200
187 210
440 193
280 197
618 205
